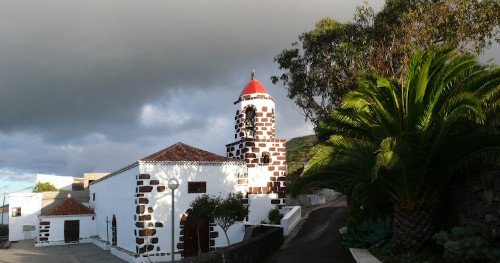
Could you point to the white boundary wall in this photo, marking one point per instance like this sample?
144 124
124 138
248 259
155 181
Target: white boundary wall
291 216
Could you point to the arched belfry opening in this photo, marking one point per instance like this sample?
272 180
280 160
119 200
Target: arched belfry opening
250 121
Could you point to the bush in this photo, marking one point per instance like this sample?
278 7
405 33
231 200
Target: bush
274 216
466 245
368 233
388 253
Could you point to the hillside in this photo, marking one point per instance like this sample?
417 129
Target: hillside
297 152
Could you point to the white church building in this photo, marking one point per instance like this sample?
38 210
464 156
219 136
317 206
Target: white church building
129 211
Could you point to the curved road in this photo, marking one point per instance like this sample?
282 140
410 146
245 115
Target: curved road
318 240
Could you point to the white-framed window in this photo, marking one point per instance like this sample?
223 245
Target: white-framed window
16 211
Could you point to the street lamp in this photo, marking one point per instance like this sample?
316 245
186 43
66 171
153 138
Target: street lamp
173 184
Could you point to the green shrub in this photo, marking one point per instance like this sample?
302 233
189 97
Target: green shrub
274 216
389 253
466 245
368 232
44 187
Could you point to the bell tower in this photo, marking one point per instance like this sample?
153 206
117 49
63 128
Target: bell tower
256 143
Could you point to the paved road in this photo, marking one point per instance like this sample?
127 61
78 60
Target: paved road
318 240
24 252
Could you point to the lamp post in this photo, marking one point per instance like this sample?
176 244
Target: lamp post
173 184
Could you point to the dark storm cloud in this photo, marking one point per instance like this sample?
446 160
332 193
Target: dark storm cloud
68 68
93 85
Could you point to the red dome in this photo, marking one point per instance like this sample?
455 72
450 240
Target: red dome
252 87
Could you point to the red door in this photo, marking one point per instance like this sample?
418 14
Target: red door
191 237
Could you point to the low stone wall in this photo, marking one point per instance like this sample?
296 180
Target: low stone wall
476 202
318 197
256 249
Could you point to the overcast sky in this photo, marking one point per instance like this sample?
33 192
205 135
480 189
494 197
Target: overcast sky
91 86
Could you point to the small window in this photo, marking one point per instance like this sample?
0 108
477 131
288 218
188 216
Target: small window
242 179
266 159
16 211
93 197
197 187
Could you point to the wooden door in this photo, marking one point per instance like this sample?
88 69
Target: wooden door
71 230
191 237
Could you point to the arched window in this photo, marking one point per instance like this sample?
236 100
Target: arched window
250 117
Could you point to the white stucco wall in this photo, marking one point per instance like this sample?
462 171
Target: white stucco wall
220 180
260 204
116 196
56 233
60 182
30 204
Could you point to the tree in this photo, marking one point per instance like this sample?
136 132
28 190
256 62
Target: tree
327 61
44 187
231 210
203 209
407 140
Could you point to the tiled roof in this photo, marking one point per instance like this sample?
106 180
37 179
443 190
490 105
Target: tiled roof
51 199
181 152
252 87
69 206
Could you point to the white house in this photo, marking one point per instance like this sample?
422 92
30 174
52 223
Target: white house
67 222
26 209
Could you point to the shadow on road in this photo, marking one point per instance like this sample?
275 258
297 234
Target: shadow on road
318 240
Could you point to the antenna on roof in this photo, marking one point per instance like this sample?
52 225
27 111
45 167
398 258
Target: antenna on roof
252 75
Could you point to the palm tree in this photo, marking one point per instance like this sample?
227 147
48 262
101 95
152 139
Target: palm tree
410 139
